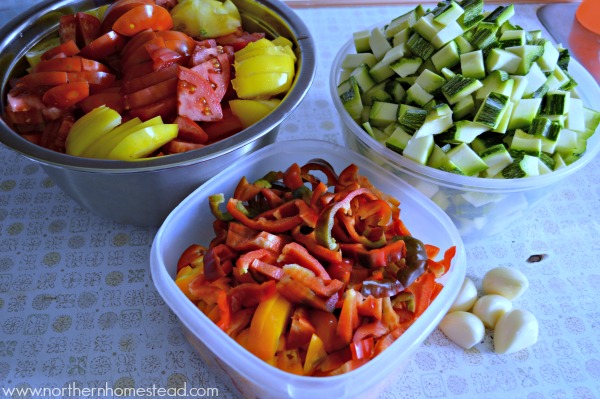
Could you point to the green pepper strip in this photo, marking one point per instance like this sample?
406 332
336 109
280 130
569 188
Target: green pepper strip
309 241
327 218
215 201
281 225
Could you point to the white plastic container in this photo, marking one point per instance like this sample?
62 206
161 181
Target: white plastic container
191 222
479 207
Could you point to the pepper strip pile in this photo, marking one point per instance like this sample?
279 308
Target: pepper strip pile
311 271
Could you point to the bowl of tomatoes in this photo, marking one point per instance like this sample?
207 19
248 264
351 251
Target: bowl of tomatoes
129 105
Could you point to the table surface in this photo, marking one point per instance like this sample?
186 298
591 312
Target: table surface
77 304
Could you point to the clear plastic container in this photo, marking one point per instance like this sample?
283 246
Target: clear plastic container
480 207
191 222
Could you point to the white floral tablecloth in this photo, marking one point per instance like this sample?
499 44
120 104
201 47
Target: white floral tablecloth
78 308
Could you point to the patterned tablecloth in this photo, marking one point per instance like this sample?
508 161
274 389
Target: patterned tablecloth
78 307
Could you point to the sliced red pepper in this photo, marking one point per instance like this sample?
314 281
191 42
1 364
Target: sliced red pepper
374 258
237 210
349 319
242 238
218 262
371 307
362 349
250 294
301 329
243 262
298 293
193 255
296 253
292 177
308 278
271 271
239 321
422 288
309 241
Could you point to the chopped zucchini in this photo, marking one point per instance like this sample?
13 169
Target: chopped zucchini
349 93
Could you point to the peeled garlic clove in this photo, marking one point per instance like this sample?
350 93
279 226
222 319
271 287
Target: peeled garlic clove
515 330
507 281
466 296
463 328
489 308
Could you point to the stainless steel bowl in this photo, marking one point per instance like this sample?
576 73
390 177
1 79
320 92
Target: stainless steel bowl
143 193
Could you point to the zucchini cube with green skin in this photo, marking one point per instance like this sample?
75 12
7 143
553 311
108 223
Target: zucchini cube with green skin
410 117
420 46
447 12
426 27
383 113
361 41
378 43
462 131
549 58
458 87
525 110
406 66
430 81
398 140
463 108
466 159
592 118
498 82
472 9
556 102
446 57
438 120
381 71
446 35
496 158
503 60
417 95
472 65
349 93
501 14
528 54
402 22
513 37
353 61
522 167
492 109
419 148
363 78
526 143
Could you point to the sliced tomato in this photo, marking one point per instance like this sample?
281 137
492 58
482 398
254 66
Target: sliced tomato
112 98
239 40
137 41
118 8
143 17
177 146
96 80
107 44
140 54
226 127
67 49
190 130
93 66
166 109
66 95
88 28
164 57
53 78
157 92
22 98
66 64
55 133
217 70
150 79
196 98
30 117
67 28
142 69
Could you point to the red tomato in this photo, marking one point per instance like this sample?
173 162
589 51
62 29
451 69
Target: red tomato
177 146
67 28
190 131
141 18
93 66
67 49
137 41
166 108
97 80
107 44
147 96
66 64
66 95
118 8
140 54
111 97
150 79
55 133
219 130
88 28
163 57
217 71
196 99
53 78
142 69
239 40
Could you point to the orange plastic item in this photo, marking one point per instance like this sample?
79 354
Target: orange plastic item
588 15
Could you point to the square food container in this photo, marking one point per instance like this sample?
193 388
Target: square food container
191 222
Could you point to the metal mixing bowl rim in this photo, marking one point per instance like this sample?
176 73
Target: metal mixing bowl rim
305 76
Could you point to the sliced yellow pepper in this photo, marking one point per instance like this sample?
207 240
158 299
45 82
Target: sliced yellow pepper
251 111
314 355
96 149
267 325
143 142
90 127
271 50
282 63
185 276
261 85
260 43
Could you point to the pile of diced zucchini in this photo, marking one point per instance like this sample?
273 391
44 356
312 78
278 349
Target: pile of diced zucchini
464 90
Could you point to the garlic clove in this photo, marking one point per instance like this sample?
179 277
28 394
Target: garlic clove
463 328
507 281
490 307
466 296
515 330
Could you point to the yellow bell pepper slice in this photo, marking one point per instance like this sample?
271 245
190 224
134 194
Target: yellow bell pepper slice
282 63
275 50
95 150
143 142
289 360
267 325
114 137
314 355
251 111
261 85
185 276
282 41
90 127
260 43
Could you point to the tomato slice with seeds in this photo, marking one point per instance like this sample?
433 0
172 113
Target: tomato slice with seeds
67 28
143 17
196 98
217 71
107 44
